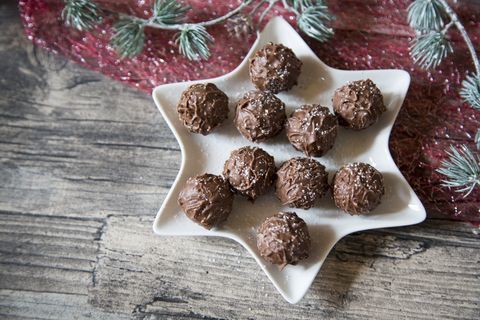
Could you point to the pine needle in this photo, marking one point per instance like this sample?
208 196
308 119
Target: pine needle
462 170
428 50
470 91
168 12
425 15
477 139
129 37
193 42
312 18
81 14
193 39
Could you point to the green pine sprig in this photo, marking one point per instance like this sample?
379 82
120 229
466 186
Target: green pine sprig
168 12
192 39
462 170
128 37
426 15
470 91
81 14
312 20
428 49
313 17
193 42
477 139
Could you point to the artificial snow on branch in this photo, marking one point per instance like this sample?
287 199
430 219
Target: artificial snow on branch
81 14
428 49
462 169
193 39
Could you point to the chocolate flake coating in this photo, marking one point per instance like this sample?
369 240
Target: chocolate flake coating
259 115
284 239
206 199
274 68
202 108
358 188
301 182
312 129
250 171
358 104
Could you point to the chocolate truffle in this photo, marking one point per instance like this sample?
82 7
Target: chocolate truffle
358 104
250 171
259 116
301 182
284 239
274 68
312 129
357 188
202 108
206 199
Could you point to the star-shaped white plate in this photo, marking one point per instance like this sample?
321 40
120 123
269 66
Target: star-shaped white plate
326 223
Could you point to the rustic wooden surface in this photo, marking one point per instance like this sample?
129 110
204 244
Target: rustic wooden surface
85 163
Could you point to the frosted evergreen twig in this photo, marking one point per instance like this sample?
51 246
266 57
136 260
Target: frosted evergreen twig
81 14
462 170
428 49
193 39
454 18
425 15
193 42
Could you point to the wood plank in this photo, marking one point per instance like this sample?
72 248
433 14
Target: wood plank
393 273
48 253
134 271
73 142
16 304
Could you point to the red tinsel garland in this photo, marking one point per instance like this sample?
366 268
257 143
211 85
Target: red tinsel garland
369 34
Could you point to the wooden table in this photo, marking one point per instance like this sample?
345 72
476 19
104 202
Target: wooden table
85 163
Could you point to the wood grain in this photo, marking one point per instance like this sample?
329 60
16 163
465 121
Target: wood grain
84 165
398 273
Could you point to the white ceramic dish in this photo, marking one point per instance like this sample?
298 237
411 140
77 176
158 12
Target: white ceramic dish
326 223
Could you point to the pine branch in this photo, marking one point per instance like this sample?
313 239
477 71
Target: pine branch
193 42
456 21
428 50
312 16
181 26
312 19
462 170
192 38
168 12
427 18
129 37
425 15
81 14
470 91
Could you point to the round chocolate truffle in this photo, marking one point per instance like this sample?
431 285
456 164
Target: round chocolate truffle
202 108
259 116
312 129
274 68
206 199
301 182
250 171
358 188
284 239
358 104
